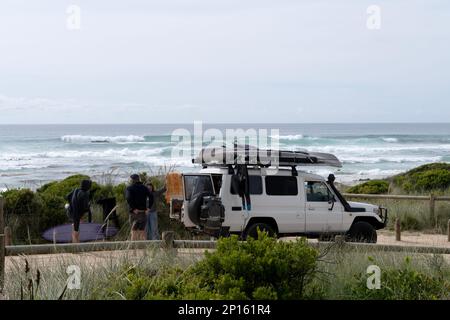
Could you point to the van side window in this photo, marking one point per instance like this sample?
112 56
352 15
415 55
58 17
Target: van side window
281 186
317 191
255 183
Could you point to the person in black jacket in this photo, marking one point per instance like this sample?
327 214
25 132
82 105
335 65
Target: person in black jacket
139 199
78 206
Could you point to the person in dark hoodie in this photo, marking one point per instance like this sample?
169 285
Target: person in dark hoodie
139 199
79 205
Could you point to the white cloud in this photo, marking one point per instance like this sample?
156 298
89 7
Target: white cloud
8 103
46 110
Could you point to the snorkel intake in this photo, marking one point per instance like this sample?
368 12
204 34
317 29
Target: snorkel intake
347 207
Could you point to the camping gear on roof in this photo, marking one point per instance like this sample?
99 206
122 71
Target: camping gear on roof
245 154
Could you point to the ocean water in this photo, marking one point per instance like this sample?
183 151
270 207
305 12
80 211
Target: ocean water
31 155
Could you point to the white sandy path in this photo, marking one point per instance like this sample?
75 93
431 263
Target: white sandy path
95 259
414 239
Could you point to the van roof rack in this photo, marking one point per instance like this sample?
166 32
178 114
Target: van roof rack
249 155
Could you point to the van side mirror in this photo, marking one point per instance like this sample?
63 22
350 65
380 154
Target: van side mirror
332 202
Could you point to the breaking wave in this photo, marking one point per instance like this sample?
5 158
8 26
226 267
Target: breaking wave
102 139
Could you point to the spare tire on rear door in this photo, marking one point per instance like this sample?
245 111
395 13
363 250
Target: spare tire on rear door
195 204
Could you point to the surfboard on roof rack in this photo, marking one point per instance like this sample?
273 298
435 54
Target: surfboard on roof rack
245 154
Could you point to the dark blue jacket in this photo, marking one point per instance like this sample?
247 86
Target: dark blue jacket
139 197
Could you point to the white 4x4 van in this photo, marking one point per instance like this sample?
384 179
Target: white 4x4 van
240 199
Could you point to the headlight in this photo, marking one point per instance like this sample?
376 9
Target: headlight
376 211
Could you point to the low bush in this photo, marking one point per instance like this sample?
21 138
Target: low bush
404 283
371 187
256 269
21 202
119 192
426 178
22 214
263 268
64 187
53 212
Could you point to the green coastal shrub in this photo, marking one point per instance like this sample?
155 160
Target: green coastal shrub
371 187
31 213
404 283
137 283
21 202
263 268
53 196
64 187
119 192
53 212
426 178
256 269
22 211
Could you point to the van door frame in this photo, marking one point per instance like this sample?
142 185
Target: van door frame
319 219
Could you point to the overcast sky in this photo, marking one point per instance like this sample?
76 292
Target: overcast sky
155 61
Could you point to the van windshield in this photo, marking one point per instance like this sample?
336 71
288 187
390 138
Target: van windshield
195 184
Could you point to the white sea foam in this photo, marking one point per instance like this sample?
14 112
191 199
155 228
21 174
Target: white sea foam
363 158
288 137
392 159
388 149
391 140
352 178
102 139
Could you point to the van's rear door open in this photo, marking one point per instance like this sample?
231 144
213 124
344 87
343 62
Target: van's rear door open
197 183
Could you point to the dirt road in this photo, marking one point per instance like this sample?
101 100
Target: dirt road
413 239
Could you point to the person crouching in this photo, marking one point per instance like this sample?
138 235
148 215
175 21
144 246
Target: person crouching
139 199
78 206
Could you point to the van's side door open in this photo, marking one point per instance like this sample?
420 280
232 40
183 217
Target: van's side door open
324 212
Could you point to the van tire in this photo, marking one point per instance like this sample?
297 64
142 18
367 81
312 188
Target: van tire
252 230
362 231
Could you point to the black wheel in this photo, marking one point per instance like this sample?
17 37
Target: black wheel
252 230
362 232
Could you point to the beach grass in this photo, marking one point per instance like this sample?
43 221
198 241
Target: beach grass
340 274
49 275
415 215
